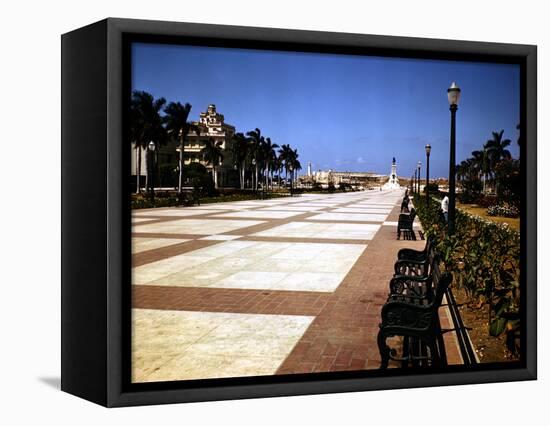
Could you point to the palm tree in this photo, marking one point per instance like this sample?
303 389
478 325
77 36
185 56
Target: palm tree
285 157
481 164
239 150
295 163
278 167
146 124
255 153
212 154
269 157
178 128
496 147
496 151
462 170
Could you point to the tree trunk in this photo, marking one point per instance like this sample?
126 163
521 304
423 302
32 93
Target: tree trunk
138 168
147 170
215 176
180 174
256 177
243 167
252 180
286 177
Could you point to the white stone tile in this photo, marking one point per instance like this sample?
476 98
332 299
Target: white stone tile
181 345
140 219
223 249
353 231
255 265
196 226
140 244
351 217
361 210
260 214
150 272
293 208
312 281
221 237
301 251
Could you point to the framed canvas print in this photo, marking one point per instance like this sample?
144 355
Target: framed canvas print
252 212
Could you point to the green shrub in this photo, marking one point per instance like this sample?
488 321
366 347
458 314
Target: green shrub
316 186
168 176
508 181
471 191
196 175
486 200
144 202
164 199
484 259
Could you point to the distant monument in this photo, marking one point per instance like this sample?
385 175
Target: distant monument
393 182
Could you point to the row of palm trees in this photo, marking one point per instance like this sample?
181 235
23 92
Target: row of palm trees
484 163
259 154
154 120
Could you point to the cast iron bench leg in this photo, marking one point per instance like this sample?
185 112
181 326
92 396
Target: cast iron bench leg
384 350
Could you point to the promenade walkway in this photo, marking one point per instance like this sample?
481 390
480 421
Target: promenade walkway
291 285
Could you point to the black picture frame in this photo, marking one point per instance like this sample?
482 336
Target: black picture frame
96 218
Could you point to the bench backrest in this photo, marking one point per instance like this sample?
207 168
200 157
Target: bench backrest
432 260
440 281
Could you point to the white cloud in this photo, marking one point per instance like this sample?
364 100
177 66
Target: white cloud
360 160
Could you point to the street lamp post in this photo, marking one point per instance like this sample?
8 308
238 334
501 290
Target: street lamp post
428 150
415 181
453 95
151 172
418 167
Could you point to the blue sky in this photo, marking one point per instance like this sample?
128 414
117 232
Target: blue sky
347 113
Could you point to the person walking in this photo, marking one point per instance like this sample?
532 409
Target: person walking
445 208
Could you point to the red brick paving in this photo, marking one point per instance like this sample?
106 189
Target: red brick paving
229 300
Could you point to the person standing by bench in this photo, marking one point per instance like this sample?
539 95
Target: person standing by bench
445 208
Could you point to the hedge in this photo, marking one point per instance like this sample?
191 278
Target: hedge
144 202
484 258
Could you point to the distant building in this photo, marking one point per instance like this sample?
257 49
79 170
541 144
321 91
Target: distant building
212 125
355 179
